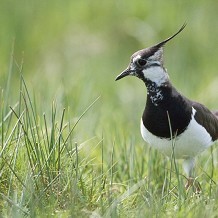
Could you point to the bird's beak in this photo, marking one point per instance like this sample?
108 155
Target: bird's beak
123 74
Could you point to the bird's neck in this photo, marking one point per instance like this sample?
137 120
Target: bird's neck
157 94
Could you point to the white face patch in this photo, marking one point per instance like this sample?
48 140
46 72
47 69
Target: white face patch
136 58
156 74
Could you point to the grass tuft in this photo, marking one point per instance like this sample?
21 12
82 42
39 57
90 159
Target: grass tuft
65 152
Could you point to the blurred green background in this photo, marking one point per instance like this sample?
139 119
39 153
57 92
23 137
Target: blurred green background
72 51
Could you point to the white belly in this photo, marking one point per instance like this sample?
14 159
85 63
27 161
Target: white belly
190 143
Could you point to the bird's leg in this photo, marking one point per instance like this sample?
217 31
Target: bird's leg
192 182
189 183
188 166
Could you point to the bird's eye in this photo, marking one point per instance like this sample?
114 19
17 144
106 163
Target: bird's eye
141 62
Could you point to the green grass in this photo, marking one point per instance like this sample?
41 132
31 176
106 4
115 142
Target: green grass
45 171
70 143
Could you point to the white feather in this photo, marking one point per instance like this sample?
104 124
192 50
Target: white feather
136 58
156 74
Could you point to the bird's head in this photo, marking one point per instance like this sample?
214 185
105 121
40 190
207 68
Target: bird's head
147 64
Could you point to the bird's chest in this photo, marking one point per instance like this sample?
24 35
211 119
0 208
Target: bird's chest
190 142
167 118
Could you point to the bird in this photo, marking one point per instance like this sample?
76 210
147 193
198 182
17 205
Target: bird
171 122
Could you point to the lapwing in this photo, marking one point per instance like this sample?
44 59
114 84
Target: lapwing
170 121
